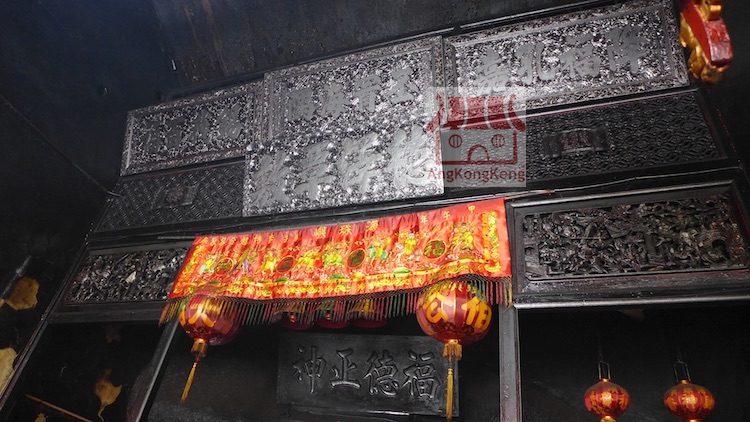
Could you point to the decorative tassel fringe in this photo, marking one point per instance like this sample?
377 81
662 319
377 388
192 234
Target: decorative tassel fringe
507 293
371 307
452 350
199 351
189 383
449 396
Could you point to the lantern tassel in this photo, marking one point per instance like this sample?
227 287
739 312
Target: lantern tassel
199 351
449 396
189 383
452 351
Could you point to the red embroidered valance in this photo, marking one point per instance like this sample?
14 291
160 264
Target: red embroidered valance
387 260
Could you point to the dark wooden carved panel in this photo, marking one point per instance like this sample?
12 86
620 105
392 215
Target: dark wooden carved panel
185 196
133 276
213 126
623 49
353 129
623 238
626 136
678 235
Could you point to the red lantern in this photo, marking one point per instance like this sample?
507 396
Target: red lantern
331 323
209 321
606 400
454 313
689 402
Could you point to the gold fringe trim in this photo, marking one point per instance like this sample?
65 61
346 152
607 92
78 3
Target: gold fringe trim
452 350
344 308
449 396
189 383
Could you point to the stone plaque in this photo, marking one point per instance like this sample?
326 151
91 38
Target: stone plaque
351 130
200 129
364 373
617 50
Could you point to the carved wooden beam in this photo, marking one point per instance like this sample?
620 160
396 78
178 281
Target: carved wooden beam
703 31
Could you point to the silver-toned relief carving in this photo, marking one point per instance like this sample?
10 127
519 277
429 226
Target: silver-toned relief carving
209 127
145 275
617 50
184 196
350 130
630 135
687 234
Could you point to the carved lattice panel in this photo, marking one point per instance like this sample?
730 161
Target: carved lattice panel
185 196
617 50
350 130
639 134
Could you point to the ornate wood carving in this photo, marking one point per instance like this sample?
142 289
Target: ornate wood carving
688 234
348 130
135 276
205 128
623 49
647 133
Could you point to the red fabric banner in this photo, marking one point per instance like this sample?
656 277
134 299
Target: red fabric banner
397 253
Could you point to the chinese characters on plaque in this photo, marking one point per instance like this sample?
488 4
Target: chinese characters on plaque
618 50
209 127
362 127
349 130
362 373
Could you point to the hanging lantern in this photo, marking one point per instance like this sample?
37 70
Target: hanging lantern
688 401
209 321
455 313
605 398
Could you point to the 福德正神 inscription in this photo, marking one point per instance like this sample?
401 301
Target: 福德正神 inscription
363 373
